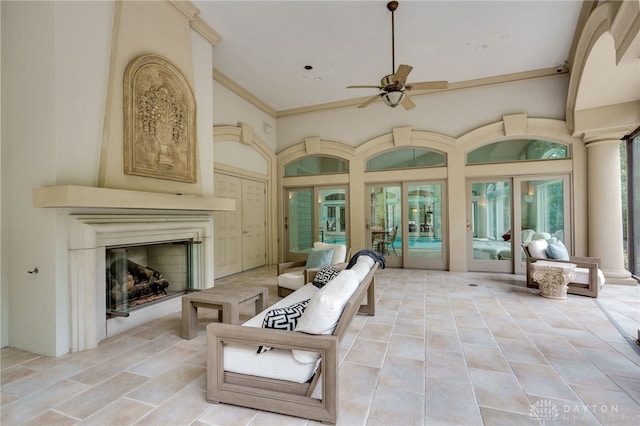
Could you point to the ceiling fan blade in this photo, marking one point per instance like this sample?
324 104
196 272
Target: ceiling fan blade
427 85
365 87
407 103
402 73
368 101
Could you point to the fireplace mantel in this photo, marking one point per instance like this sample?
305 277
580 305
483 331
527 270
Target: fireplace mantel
73 196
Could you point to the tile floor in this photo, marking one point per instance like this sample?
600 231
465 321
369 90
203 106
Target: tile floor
443 349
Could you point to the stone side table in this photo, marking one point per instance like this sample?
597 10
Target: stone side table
553 278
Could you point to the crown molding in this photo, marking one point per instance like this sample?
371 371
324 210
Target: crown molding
191 12
243 93
460 85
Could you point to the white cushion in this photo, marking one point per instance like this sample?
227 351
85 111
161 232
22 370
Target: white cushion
324 309
276 363
538 248
582 277
299 295
339 251
363 266
291 280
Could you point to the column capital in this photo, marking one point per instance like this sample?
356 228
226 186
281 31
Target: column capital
597 137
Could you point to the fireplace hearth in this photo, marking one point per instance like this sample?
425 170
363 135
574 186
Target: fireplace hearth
177 246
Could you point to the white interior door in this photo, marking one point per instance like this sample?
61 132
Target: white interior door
253 224
228 228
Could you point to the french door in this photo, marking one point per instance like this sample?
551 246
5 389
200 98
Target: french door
314 214
504 213
407 224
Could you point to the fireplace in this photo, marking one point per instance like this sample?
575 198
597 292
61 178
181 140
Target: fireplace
151 240
139 275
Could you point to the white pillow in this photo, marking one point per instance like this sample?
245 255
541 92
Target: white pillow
538 248
363 266
324 310
339 251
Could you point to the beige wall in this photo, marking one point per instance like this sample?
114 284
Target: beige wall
56 56
450 113
455 175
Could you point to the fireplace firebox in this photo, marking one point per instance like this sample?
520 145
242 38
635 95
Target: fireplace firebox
142 274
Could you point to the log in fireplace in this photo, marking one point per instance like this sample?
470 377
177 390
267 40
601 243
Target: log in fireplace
138 275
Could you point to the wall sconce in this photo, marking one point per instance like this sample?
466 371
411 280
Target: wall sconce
528 198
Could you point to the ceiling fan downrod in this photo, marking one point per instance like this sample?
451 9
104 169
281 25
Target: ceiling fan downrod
392 6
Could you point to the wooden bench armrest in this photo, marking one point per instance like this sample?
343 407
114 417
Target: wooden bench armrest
271 394
583 260
580 262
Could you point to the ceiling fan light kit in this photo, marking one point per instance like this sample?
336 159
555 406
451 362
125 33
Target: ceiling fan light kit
393 99
393 87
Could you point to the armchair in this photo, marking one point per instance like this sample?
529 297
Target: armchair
294 275
589 278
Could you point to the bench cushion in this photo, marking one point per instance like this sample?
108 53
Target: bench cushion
324 309
273 364
292 280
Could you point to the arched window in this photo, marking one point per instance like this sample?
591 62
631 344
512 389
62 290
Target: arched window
408 158
517 150
316 166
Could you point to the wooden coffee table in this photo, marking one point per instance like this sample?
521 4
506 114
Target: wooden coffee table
226 300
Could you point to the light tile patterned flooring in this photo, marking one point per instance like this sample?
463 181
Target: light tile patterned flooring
443 349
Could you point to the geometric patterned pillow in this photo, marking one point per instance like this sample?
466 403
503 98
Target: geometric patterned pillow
324 275
283 319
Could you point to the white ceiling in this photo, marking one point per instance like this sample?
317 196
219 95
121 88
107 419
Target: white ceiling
266 44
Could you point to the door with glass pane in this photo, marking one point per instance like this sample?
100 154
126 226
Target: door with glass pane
543 210
425 230
384 228
314 214
298 223
489 225
332 215
539 206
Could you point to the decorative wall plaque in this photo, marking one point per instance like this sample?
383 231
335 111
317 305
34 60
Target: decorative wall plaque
159 121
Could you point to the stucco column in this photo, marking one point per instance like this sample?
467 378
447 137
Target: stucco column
605 207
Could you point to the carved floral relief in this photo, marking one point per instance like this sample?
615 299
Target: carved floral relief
159 121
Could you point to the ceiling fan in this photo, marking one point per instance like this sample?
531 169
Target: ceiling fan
393 87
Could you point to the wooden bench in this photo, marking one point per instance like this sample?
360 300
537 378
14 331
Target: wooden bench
280 396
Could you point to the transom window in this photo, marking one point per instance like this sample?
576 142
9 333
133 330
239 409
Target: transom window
517 150
406 159
316 166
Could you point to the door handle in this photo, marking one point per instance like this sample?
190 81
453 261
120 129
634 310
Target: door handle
468 226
